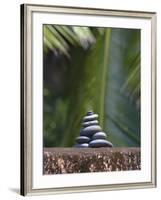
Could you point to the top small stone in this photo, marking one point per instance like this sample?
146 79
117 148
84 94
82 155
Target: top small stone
90 117
90 123
90 113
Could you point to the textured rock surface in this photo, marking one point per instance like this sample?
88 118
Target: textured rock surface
78 160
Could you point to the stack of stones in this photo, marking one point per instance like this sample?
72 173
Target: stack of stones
91 134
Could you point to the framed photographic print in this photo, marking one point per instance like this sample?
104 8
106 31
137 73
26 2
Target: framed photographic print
88 105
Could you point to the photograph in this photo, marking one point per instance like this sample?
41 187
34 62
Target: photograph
88 99
91 99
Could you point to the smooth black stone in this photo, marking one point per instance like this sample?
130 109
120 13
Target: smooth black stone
90 130
90 113
82 139
100 143
84 145
99 135
90 118
90 123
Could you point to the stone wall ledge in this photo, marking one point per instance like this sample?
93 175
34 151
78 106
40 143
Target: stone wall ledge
82 160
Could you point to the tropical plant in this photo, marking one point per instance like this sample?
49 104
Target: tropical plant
123 89
91 68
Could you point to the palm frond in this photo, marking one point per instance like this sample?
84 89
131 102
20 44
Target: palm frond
58 38
123 88
89 91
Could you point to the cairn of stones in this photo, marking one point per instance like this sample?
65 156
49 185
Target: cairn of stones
91 134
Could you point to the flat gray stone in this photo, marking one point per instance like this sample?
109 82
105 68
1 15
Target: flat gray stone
99 135
100 143
84 145
90 130
90 118
90 123
82 139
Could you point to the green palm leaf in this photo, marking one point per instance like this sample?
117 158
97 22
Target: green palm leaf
59 38
90 90
122 115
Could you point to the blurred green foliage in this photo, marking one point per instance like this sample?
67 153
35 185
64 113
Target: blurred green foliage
91 68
